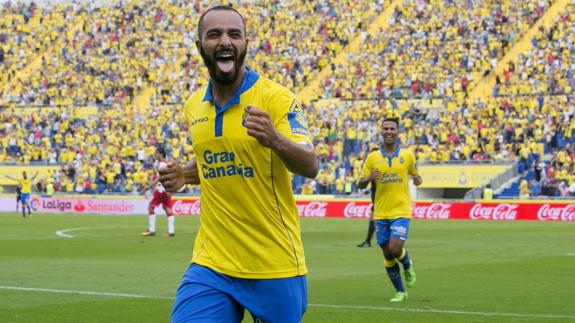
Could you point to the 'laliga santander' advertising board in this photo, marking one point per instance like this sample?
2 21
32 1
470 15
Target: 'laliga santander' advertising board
422 210
345 208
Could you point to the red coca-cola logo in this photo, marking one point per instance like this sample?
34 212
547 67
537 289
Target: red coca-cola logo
186 207
435 211
556 213
353 210
502 211
79 207
312 209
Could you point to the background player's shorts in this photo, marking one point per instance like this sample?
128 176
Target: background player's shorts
207 296
161 198
25 198
387 229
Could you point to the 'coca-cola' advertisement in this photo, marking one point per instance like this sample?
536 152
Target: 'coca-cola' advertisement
421 210
336 208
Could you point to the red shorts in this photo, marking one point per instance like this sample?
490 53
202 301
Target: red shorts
161 198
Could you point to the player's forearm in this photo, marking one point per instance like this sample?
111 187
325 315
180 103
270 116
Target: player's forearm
362 183
299 159
191 174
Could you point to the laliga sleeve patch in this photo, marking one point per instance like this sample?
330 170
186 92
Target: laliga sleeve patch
297 120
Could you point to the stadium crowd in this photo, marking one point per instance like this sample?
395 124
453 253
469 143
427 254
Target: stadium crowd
103 63
121 50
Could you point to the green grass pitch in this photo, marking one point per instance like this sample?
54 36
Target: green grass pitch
466 271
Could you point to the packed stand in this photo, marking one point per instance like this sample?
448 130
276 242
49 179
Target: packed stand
109 152
433 49
27 29
547 67
290 41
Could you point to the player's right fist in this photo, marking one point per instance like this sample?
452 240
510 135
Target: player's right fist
375 174
172 177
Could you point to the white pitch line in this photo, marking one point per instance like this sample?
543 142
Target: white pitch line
430 310
571 254
62 233
78 292
352 307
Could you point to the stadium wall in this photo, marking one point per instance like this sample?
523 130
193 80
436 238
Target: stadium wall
502 210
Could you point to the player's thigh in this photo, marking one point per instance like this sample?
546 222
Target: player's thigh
282 300
155 202
382 231
399 229
197 302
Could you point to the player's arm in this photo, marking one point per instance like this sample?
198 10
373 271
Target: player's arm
174 175
299 158
143 190
11 178
373 175
368 174
35 175
417 179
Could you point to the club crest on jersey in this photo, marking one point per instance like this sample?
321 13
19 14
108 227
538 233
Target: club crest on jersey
401 160
244 117
297 120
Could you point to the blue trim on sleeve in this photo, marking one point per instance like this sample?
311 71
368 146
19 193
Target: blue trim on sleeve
390 158
248 82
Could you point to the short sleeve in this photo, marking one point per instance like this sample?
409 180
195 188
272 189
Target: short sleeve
289 118
367 167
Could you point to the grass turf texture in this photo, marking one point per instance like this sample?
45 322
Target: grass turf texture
466 271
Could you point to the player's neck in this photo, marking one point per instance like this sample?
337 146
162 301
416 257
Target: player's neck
389 149
224 93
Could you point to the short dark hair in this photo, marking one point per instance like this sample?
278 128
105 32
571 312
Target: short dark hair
161 151
214 8
394 120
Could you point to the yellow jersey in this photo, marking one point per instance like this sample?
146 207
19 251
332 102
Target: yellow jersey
249 223
26 184
392 195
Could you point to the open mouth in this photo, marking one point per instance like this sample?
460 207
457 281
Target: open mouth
225 62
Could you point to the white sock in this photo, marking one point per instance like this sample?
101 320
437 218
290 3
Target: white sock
171 222
152 223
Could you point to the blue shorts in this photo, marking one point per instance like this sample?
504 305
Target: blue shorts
25 198
207 296
387 229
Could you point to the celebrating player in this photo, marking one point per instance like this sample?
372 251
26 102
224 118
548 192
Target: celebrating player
26 184
389 167
160 196
248 133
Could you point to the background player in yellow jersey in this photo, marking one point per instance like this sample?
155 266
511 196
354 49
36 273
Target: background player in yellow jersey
248 133
26 184
389 168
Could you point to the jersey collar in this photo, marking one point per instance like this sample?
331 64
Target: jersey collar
392 156
249 80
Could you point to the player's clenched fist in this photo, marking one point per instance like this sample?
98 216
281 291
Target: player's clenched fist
260 126
172 177
375 174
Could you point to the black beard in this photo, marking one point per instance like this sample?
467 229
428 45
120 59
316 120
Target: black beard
226 79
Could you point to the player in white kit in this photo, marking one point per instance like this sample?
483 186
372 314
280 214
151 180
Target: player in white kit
160 196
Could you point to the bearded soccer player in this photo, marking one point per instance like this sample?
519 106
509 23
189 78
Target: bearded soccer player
389 168
159 197
248 134
26 184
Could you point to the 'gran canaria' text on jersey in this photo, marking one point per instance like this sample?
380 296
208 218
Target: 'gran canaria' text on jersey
220 164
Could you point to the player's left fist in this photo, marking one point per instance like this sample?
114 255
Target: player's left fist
260 126
417 180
